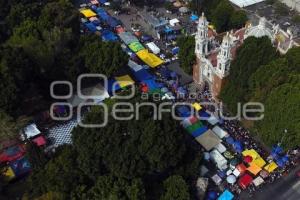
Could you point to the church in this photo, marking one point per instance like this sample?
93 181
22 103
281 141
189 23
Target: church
213 59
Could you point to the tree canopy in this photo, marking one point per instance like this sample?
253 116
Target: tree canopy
259 74
186 53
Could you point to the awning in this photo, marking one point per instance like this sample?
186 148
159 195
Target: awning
197 106
208 140
124 81
271 167
88 13
136 46
149 58
226 195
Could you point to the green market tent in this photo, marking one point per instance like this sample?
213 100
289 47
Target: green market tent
136 47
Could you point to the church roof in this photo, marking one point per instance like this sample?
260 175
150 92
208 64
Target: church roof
260 30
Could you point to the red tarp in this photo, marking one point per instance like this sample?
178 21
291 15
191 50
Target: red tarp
40 141
193 120
12 153
245 181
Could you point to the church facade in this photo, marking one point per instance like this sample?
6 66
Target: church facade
213 57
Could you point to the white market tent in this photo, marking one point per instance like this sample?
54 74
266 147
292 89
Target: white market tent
219 159
219 132
174 22
245 3
257 181
212 120
152 46
220 147
30 131
208 140
216 179
236 172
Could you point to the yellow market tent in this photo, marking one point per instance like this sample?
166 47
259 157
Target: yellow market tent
259 161
124 81
197 106
88 13
149 58
253 169
7 173
271 167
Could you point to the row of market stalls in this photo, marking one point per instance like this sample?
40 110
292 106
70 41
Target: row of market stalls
234 164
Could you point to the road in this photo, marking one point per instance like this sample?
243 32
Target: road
286 188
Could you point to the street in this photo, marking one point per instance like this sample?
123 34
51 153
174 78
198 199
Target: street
287 188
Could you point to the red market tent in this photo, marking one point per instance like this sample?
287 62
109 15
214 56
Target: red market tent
12 153
248 159
241 167
245 181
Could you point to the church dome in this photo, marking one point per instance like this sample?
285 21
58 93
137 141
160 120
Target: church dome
260 30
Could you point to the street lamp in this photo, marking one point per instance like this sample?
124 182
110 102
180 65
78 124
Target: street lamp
284 133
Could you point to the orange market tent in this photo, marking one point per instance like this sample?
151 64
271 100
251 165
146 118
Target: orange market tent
149 58
88 13
271 167
254 169
124 81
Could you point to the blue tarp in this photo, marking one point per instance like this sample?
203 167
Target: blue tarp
146 38
194 18
183 111
112 86
226 195
203 114
151 84
112 22
212 195
199 131
175 50
102 14
109 36
102 1
20 166
237 145
142 75
229 140
91 27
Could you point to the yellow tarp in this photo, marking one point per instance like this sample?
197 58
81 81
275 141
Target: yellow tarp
8 173
271 167
124 81
254 169
88 13
197 106
259 161
149 58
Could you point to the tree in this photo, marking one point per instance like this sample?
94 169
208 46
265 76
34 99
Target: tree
175 188
102 57
186 53
238 19
281 9
221 16
250 56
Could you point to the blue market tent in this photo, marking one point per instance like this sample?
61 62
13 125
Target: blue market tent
277 149
112 22
94 8
142 75
212 195
229 140
285 158
96 22
222 174
226 195
112 86
102 14
102 1
203 114
238 147
91 27
194 18
199 131
109 36
20 166
183 111
146 38
175 50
